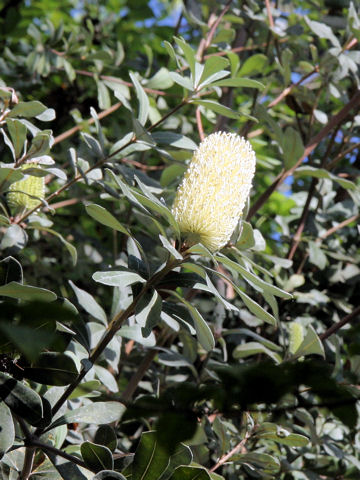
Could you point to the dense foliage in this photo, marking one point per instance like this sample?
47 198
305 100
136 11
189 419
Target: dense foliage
125 351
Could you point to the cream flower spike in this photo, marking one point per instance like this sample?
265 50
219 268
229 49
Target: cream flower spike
212 195
26 193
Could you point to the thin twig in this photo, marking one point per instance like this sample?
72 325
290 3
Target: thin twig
291 87
29 451
297 237
199 123
90 121
341 155
205 43
339 226
238 448
98 164
313 143
269 14
334 328
56 451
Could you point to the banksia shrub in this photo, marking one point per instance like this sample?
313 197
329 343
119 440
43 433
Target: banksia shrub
27 192
212 195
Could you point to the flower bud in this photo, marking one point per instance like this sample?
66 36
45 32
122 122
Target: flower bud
212 195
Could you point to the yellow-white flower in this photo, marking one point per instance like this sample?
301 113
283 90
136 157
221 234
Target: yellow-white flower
27 192
212 195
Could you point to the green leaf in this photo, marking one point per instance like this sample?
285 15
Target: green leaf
104 100
270 431
144 103
246 239
89 303
182 81
190 473
67 469
322 173
7 430
47 116
106 435
148 310
40 144
117 278
15 236
255 308
189 54
93 145
104 217
27 292
254 65
70 248
213 70
109 475
10 270
9 176
154 204
150 459
203 332
175 140
217 108
17 132
311 345
27 109
253 348
239 82
249 333
161 80
323 31
106 378
292 146
135 332
172 250
296 337
86 389
181 456
52 368
21 400
95 413
317 256
96 457
262 461
252 278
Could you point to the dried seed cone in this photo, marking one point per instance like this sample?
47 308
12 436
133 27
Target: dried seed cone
212 195
26 192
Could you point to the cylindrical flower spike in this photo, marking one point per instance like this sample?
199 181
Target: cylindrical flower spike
212 195
26 193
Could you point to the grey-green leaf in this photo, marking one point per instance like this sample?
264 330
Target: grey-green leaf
109 475
17 132
104 217
96 457
52 368
95 413
89 303
203 332
118 278
7 430
22 400
27 109
311 344
239 82
150 459
27 292
144 103
190 473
